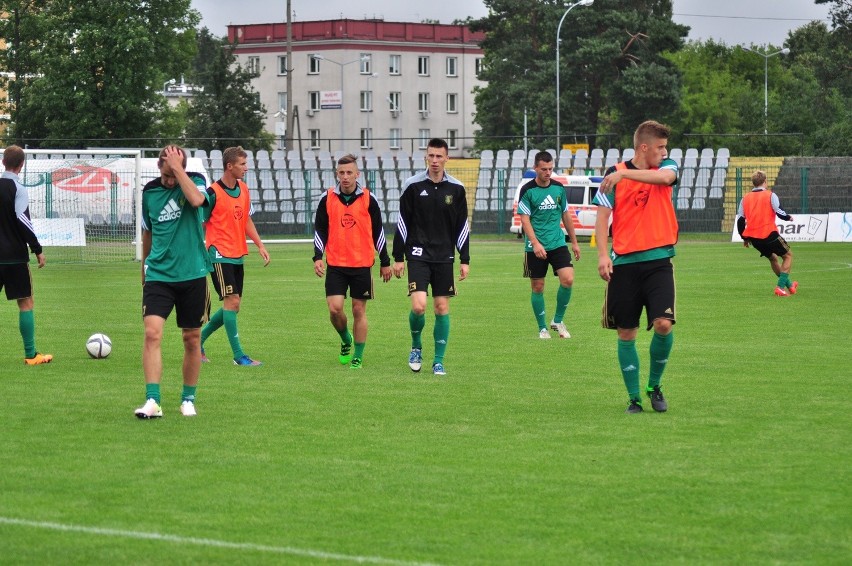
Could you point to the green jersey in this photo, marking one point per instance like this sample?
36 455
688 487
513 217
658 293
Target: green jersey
177 237
544 206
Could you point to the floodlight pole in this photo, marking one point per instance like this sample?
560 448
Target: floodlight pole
766 82
558 31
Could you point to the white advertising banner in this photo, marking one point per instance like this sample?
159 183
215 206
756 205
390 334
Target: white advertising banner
839 227
60 232
803 228
331 99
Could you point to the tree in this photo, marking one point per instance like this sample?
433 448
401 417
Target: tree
612 68
98 70
228 111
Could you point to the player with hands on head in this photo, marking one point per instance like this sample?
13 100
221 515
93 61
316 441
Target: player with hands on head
175 265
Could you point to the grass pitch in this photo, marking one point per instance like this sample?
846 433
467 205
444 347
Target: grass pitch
521 454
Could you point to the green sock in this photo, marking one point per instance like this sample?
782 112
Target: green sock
783 280
441 332
628 359
214 324
345 337
537 300
661 346
188 393
359 350
152 391
230 323
563 297
26 324
416 323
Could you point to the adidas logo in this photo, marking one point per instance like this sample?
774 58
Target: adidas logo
424 193
631 367
170 212
669 311
366 293
547 204
440 341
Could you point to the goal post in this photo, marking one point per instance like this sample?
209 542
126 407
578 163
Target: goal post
86 205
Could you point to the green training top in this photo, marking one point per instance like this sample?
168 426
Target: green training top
544 206
177 237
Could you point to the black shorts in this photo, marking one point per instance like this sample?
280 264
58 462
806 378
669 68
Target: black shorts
17 280
439 276
772 244
191 300
648 284
228 279
357 280
536 268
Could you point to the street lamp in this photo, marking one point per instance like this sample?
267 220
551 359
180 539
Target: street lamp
766 82
525 108
558 30
342 86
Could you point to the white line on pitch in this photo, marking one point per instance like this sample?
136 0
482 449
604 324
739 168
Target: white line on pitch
211 542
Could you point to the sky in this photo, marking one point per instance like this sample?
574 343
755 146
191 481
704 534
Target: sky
734 22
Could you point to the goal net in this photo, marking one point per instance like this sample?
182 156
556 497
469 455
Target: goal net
86 206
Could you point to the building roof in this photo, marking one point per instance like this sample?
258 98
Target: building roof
349 33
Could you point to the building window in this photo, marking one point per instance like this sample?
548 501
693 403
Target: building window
423 137
395 138
366 64
282 65
366 138
452 103
282 101
253 65
423 65
315 138
366 101
313 64
314 105
395 100
477 66
452 139
452 66
423 102
395 64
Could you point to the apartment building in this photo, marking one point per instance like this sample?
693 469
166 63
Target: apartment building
366 85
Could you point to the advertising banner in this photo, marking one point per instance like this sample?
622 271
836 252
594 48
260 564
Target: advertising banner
839 227
803 228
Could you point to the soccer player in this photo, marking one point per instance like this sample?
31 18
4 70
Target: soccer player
348 229
432 225
16 233
637 194
756 224
542 204
228 222
175 265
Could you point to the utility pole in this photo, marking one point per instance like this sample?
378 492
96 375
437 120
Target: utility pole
288 140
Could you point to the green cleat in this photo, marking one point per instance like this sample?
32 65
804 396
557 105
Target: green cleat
345 354
356 363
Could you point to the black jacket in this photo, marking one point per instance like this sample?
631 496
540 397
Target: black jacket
15 233
432 221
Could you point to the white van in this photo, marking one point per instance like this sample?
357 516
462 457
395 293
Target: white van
579 189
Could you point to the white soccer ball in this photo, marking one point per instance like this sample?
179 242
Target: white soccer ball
99 345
